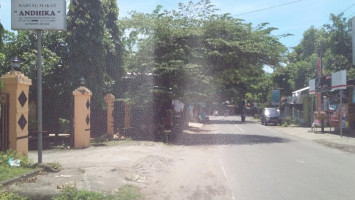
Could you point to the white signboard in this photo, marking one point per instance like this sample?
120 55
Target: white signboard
38 15
312 86
339 80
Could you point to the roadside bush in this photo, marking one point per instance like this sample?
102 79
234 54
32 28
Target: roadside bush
64 125
287 121
11 196
126 192
4 156
71 193
7 172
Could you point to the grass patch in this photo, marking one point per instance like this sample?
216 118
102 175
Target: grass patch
7 172
11 196
129 192
126 192
71 193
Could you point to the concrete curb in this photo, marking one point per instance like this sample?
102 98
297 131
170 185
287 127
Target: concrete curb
330 141
16 179
335 145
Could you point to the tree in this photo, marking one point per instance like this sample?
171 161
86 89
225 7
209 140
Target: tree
56 88
86 36
332 43
338 55
195 49
237 54
2 30
2 56
113 45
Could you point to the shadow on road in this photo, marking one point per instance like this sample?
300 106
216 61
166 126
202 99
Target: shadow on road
226 139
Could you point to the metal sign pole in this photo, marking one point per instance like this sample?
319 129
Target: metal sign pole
54 18
312 110
39 94
340 113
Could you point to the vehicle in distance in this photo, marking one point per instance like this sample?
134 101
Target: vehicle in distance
270 115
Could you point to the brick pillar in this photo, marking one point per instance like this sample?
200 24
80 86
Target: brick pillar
109 99
82 98
17 86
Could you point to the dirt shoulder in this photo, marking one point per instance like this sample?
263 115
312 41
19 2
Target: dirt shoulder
162 171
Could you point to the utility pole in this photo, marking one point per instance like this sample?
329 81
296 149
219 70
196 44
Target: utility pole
320 94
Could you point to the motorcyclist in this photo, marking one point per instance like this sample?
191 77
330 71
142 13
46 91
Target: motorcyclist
242 114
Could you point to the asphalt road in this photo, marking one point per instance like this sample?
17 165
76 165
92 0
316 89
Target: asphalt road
260 163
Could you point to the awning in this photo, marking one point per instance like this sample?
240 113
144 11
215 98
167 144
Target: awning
300 90
297 96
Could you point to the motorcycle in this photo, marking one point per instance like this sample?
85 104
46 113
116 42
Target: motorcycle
242 116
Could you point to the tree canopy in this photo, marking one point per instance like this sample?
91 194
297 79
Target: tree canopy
200 54
331 43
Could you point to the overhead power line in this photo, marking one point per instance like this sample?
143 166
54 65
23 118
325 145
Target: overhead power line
167 2
268 8
348 7
351 15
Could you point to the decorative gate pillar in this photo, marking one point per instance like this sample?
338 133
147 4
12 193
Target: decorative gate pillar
109 99
17 86
82 97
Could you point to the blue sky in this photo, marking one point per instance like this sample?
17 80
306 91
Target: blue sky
295 17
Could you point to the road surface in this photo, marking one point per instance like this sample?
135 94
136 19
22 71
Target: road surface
261 163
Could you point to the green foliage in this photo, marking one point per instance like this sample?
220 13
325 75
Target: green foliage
64 125
113 46
126 192
55 71
332 42
2 30
4 156
71 193
201 55
11 196
95 51
285 124
86 32
6 171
